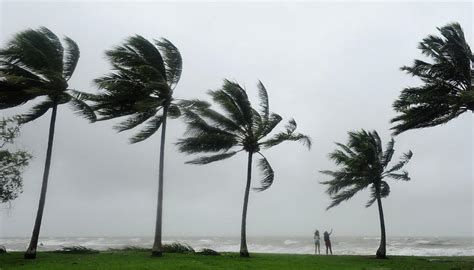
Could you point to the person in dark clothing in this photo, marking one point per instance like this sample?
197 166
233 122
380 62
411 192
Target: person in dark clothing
327 241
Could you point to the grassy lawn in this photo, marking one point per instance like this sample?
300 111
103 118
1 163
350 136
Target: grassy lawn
142 260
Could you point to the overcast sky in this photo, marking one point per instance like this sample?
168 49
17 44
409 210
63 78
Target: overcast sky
334 67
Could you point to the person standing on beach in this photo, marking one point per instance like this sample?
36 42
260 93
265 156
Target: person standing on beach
327 241
317 249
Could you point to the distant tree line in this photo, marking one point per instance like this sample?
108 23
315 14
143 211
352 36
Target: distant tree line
36 64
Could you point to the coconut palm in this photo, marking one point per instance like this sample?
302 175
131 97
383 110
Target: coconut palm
34 64
239 128
363 164
140 88
447 89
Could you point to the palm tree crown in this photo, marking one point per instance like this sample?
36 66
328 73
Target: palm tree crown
239 128
447 91
363 164
141 85
141 89
35 64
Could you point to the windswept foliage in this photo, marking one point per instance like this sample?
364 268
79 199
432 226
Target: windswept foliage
77 250
140 88
364 164
447 89
35 64
12 162
239 128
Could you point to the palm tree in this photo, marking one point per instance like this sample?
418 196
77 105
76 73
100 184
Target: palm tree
447 89
141 88
239 128
364 164
35 64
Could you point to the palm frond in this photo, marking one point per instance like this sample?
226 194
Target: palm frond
206 143
288 135
446 78
151 127
193 104
213 158
388 153
137 51
228 104
342 196
361 164
172 60
399 176
140 85
174 111
82 109
240 98
134 120
71 57
268 174
273 120
264 107
37 111
403 160
384 192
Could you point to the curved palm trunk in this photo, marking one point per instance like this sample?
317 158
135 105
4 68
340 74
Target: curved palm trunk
243 234
157 249
31 251
381 251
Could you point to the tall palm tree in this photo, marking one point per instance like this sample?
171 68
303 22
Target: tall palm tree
239 128
35 64
141 88
363 164
447 89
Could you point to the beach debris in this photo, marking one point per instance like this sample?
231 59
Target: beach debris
177 248
208 252
77 250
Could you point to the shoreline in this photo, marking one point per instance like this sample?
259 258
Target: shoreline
141 259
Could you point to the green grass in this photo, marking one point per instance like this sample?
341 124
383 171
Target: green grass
125 260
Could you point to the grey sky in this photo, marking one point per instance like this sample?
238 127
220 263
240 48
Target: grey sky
334 67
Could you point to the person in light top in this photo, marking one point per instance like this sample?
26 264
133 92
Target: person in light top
317 249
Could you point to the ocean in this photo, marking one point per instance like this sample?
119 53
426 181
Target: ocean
417 246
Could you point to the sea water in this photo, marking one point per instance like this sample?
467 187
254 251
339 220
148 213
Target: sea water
341 245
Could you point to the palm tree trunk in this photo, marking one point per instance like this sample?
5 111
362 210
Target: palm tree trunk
243 234
381 251
157 249
31 251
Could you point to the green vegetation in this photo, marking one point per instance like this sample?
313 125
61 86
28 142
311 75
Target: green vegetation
208 252
137 260
12 162
447 91
240 128
77 250
141 89
364 164
33 65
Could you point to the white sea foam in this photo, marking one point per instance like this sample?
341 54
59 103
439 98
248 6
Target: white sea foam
418 246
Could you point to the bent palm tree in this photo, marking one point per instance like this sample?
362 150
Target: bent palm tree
364 164
35 64
447 91
141 88
241 126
